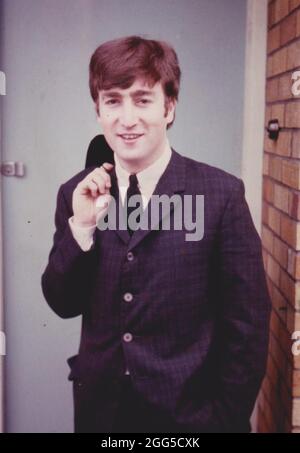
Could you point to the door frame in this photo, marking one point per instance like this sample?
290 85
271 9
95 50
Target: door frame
2 332
254 105
254 115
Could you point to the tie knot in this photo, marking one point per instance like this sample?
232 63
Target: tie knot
133 181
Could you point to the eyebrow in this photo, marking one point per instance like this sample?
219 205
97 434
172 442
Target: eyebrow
137 93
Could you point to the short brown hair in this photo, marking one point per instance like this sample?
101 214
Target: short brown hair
118 63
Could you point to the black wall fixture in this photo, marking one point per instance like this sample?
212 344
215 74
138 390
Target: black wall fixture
273 129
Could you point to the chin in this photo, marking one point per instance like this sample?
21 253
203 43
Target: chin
130 155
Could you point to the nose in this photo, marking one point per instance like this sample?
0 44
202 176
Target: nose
128 116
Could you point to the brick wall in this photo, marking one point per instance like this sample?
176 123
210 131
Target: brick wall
279 398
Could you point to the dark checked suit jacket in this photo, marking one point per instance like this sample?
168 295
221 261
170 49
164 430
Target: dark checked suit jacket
199 314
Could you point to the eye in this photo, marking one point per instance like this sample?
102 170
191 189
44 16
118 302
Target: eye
144 101
111 101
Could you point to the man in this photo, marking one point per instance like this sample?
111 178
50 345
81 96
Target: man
174 331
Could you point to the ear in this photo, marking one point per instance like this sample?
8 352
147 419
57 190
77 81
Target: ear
171 106
97 105
98 119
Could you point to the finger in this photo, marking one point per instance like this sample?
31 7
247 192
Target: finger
108 166
100 181
102 172
86 186
93 188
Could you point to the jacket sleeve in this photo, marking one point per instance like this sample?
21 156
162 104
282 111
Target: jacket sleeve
243 318
67 279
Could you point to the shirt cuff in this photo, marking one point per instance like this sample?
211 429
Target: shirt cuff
82 235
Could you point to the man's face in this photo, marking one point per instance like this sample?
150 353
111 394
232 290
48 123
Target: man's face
134 122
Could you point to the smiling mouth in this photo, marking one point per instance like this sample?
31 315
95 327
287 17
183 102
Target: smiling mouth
130 137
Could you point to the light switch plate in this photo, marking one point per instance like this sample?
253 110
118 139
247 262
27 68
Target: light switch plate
2 84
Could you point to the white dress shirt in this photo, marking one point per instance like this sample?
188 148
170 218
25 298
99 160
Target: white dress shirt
147 181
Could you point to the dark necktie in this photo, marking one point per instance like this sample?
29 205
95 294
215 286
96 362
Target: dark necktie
133 190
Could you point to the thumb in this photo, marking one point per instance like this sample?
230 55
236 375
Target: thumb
102 201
